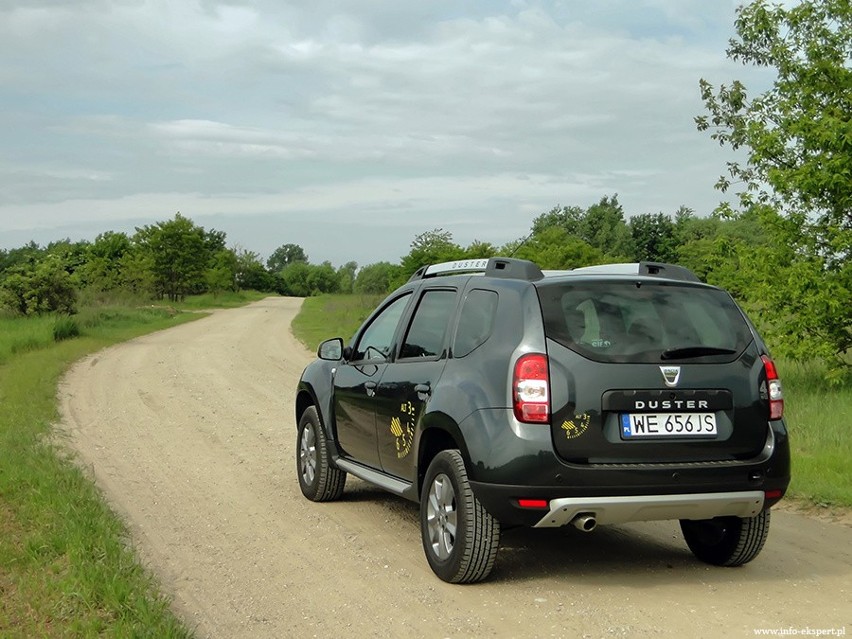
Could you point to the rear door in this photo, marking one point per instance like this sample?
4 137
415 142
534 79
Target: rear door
651 371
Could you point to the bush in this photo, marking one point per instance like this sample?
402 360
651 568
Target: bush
65 327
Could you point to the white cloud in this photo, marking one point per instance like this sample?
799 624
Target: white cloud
117 111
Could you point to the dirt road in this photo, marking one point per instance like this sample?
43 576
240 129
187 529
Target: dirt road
190 433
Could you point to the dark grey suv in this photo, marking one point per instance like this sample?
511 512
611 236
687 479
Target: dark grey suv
497 395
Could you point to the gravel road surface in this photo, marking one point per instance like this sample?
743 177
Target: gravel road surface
190 434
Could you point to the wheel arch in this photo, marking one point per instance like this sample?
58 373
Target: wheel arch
439 433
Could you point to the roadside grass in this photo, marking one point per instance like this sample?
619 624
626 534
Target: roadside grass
327 316
66 564
818 415
227 299
19 335
819 418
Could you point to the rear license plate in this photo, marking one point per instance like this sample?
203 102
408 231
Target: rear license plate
635 425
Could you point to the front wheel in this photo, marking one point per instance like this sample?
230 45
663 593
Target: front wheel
460 538
318 478
726 541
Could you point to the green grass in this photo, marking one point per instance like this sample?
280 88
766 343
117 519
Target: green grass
329 316
819 416
19 335
66 564
227 299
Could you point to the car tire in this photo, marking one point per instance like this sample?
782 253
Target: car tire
460 538
726 541
319 479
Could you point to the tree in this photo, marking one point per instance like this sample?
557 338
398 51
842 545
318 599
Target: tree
285 255
250 273
430 247
102 269
39 287
653 237
180 255
797 139
376 278
604 228
346 277
554 248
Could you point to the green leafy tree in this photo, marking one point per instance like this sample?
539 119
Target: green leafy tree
102 269
179 256
480 250
653 237
323 278
346 277
34 288
293 279
250 272
603 227
285 255
376 278
430 247
567 218
797 140
221 276
555 248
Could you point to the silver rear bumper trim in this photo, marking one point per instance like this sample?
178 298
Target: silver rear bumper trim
621 510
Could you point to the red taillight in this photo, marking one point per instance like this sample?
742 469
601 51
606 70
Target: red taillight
773 386
533 503
530 387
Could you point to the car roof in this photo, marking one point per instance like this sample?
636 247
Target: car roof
513 268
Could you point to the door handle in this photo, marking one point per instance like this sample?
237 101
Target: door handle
423 391
370 388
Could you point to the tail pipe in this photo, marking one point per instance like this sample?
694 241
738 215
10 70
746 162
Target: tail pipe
585 522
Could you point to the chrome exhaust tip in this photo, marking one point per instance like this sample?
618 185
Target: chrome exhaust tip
585 522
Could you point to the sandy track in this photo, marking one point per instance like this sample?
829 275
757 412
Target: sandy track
190 434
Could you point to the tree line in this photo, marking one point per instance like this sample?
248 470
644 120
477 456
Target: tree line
782 244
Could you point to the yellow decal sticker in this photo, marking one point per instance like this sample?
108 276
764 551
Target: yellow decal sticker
403 431
576 426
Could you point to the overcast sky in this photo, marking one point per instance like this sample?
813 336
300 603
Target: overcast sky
350 126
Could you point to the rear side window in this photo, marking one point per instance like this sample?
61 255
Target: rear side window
648 323
425 337
476 321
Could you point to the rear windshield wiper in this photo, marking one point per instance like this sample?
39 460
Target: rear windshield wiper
687 352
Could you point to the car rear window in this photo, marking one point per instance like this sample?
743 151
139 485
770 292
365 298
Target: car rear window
644 322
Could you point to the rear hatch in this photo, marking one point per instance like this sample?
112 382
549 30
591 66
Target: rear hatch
644 370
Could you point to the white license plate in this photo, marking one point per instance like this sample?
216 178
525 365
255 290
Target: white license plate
668 425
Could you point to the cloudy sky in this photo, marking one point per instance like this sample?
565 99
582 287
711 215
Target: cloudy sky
349 127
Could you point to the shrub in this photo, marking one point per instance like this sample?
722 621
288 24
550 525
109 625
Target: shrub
65 327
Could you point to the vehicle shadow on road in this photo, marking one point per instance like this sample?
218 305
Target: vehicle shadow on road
638 554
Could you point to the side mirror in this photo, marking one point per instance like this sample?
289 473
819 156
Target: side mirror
331 349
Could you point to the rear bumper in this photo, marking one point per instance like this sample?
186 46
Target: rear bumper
621 510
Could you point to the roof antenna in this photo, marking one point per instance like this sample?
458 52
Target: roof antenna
524 241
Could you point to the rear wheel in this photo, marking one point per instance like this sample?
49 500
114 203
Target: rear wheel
460 538
318 478
726 541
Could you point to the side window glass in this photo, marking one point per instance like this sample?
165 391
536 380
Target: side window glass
476 321
375 342
425 337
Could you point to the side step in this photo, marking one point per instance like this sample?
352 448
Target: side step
390 484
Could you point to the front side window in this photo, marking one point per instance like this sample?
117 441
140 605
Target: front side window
645 323
377 339
425 336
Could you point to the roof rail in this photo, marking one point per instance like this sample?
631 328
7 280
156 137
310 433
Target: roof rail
503 267
656 269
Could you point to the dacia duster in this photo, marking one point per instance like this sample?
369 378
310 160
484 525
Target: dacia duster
495 394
